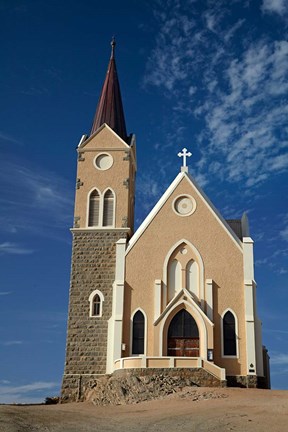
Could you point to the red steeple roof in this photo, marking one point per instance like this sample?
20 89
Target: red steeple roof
110 109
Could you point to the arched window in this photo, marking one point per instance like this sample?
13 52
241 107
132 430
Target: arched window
96 305
192 277
138 333
108 208
229 335
96 300
174 278
94 206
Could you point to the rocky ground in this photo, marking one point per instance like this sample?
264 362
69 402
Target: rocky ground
191 409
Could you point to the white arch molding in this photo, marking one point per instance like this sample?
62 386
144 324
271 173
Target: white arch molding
101 207
203 335
91 297
114 206
200 263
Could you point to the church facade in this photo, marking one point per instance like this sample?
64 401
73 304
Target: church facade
178 295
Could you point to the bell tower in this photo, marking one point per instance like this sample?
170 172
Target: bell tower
103 219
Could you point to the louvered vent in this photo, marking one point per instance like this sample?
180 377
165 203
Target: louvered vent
108 212
94 205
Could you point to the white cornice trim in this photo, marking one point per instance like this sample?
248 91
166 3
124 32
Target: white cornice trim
142 228
101 229
84 143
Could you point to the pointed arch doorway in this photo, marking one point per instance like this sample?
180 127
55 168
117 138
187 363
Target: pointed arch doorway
183 336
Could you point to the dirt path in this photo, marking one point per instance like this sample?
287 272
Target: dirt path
192 410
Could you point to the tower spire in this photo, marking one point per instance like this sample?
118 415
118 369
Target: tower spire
110 109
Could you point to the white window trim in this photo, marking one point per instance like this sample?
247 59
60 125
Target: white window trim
145 333
199 261
236 335
88 206
91 297
194 205
103 154
101 208
197 294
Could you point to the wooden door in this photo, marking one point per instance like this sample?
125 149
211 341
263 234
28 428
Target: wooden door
183 336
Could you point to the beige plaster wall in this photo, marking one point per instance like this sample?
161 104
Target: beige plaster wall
223 262
105 141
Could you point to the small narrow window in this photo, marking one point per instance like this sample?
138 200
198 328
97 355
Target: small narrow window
174 279
108 211
96 300
96 305
192 277
138 333
229 334
94 205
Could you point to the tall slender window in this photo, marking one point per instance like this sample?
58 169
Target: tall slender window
108 210
192 277
174 279
229 334
94 205
96 306
138 333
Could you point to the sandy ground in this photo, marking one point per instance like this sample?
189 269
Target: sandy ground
191 410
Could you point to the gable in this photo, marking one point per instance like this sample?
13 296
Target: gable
103 139
184 185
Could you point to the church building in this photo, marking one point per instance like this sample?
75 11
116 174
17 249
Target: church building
178 295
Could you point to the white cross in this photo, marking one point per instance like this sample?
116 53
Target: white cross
184 154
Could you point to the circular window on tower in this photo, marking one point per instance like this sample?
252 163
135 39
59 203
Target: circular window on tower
184 205
103 161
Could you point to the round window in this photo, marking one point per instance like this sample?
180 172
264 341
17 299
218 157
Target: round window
103 161
184 205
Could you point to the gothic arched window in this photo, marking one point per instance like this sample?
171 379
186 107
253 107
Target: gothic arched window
174 278
108 208
138 333
96 300
94 209
229 335
96 305
192 277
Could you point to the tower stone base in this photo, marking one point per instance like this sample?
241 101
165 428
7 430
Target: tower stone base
93 268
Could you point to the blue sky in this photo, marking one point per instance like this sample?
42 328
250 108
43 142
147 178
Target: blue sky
208 75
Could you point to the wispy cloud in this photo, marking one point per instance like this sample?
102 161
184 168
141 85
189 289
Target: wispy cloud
13 342
14 249
275 6
6 138
277 358
28 393
4 293
34 199
284 234
245 107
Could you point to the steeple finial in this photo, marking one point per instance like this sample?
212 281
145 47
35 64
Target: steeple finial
110 109
113 44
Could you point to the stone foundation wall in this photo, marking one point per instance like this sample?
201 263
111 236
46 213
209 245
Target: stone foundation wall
249 381
93 267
